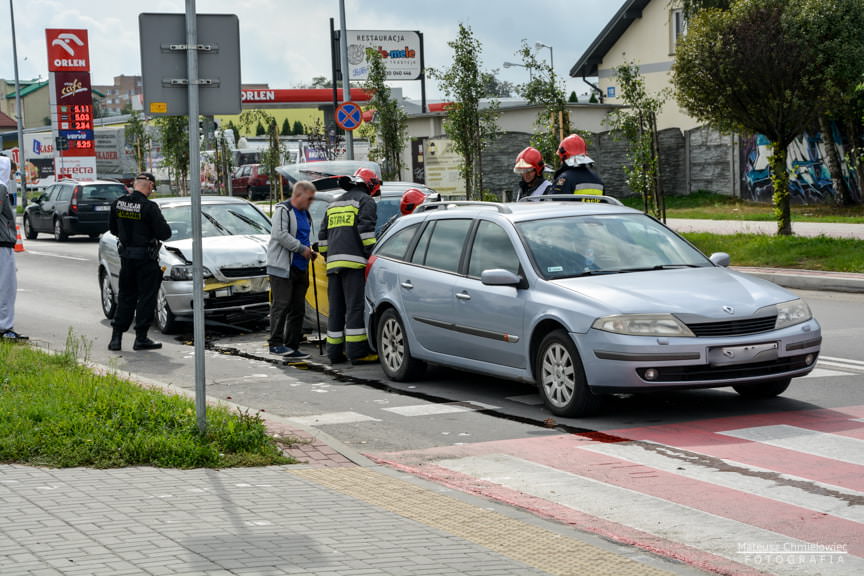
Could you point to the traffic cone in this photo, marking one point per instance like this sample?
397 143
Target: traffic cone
19 245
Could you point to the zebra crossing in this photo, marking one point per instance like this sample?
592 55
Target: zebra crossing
779 493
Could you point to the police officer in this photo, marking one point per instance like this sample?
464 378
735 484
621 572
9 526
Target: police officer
139 226
575 175
346 237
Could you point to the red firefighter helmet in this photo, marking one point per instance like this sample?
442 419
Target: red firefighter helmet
529 160
573 151
369 179
410 200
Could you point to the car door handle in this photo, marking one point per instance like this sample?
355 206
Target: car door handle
407 285
463 296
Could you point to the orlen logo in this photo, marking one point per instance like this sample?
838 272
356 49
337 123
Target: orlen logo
67 50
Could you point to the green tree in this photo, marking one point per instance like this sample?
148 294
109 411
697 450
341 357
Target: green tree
593 98
744 70
573 98
545 89
298 128
174 136
637 124
138 139
387 138
286 128
274 155
233 127
469 127
836 46
691 7
328 143
495 88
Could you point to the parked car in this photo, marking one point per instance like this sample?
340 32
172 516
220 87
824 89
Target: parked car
252 181
234 237
387 205
580 298
71 207
321 171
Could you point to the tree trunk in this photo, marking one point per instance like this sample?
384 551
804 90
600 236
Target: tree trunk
780 181
832 159
659 197
856 158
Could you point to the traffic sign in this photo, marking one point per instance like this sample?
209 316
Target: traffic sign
349 116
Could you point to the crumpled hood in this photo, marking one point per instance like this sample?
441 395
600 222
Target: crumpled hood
685 292
219 252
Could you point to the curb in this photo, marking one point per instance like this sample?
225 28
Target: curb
808 279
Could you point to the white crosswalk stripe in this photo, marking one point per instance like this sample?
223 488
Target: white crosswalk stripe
813 442
717 535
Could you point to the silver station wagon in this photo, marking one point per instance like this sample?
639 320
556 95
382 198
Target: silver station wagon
583 297
234 237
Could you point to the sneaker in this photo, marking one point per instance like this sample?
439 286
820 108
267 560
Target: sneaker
12 336
368 359
280 350
296 355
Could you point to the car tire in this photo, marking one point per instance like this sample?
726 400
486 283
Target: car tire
768 389
60 235
109 299
561 378
29 232
166 322
393 351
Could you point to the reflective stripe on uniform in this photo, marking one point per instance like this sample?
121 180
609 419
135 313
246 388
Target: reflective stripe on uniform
588 188
322 246
355 335
345 261
335 337
368 238
341 216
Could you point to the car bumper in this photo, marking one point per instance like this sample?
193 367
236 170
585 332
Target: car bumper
219 297
619 363
75 225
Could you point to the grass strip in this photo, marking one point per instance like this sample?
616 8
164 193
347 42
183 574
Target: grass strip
56 412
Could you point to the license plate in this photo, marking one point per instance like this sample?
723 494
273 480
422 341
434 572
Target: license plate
102 208
747 354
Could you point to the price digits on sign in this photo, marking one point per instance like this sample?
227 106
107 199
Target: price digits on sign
83 117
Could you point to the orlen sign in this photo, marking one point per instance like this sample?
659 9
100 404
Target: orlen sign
67 50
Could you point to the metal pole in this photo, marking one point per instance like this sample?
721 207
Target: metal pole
195 192
21 159
334 65
422 75
346 84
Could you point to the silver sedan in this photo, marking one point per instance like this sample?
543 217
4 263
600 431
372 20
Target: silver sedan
234 236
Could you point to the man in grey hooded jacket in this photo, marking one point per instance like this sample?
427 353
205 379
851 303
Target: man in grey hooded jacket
288 257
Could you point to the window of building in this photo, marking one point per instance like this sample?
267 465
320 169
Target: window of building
677 27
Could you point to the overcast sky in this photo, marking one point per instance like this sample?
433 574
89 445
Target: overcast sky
284 42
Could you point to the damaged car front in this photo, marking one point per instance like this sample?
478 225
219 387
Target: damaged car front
234 236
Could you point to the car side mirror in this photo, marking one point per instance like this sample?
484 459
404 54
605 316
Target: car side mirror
500 277
720 259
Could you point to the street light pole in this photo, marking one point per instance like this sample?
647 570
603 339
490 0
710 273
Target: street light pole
21 160
538 46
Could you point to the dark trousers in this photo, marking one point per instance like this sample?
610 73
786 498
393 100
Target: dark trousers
138 288
346 333
287 308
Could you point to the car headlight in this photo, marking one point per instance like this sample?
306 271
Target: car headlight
643 325
791 313
184 272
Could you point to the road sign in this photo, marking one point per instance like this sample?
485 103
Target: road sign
349 116
163 64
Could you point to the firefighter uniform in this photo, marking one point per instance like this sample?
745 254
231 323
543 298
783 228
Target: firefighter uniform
346 237
576 180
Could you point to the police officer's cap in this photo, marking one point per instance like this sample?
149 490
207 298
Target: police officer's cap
146 176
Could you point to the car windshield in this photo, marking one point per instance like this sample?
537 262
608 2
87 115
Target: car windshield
574 246
216 220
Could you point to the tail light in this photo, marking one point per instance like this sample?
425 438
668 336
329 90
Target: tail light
73 206
369 263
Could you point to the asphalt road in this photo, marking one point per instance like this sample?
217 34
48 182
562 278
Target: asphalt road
59 300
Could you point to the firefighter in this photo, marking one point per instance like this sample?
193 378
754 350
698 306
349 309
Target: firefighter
575 175
346 237
411 198
529 165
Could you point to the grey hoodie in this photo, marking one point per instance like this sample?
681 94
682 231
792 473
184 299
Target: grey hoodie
283 240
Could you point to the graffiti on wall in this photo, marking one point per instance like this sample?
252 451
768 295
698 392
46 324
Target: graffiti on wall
809 178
